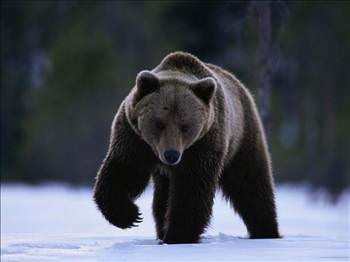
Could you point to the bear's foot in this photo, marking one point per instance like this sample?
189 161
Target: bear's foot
260 236
125 217
178 239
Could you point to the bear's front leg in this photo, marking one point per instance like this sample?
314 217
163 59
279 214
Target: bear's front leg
117 185
124 174
160 201
192 191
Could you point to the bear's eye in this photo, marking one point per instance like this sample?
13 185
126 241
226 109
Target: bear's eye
159 124
184 128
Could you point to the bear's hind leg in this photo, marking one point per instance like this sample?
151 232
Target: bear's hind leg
160 201
249 188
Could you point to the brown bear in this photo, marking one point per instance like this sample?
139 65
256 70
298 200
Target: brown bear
192 127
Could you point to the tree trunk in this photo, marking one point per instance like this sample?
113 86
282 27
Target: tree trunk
263 12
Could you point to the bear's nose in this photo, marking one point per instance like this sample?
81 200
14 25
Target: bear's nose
171 156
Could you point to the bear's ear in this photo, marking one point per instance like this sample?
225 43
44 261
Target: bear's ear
146 83
204 89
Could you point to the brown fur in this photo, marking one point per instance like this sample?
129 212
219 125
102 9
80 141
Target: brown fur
209 117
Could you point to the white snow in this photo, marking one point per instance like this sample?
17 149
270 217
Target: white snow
59 223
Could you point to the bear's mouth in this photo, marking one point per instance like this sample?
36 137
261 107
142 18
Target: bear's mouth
170 164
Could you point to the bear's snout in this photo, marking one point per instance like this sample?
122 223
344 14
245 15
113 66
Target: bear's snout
172 157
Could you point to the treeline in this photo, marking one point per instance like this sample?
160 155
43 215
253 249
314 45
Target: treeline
67 65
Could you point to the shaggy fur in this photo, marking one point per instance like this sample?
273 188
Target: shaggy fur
209 117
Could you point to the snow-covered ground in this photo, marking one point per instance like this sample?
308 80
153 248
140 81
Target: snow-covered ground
58 223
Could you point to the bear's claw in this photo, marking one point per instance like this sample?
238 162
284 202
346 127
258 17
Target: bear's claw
128 218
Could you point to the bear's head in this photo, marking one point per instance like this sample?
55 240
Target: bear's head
171 113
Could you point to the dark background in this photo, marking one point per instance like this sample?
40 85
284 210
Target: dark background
67 65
